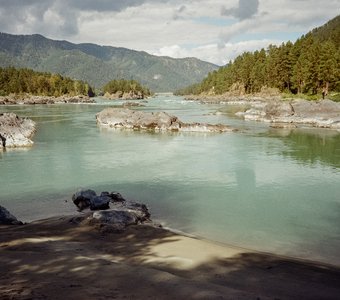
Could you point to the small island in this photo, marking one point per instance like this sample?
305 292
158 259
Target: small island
125 90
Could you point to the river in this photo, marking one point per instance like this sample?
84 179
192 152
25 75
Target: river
261 188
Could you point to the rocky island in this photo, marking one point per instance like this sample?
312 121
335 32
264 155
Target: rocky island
321 114
15 131
152 121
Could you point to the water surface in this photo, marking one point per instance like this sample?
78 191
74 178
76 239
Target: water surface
265 189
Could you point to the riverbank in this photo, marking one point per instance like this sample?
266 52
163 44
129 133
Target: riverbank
281 113
57 258
31 99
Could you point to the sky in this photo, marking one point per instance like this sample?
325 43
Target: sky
212 30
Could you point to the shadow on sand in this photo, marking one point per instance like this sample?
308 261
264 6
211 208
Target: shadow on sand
57 259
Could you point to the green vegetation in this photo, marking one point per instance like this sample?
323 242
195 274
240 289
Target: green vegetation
309 66
98 64
125 86
22 81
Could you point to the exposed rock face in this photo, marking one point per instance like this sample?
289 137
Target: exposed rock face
29 99
6 218
323 114
153 121
15 131
123 213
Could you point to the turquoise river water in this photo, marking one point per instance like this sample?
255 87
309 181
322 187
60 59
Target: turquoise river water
260 188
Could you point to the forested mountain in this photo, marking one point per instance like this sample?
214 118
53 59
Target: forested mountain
309 65
27 81
99 64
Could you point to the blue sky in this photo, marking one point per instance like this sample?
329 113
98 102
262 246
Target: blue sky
212 30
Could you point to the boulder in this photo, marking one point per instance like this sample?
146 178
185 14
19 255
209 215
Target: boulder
15 131
88 199
152 121
6 218
115 196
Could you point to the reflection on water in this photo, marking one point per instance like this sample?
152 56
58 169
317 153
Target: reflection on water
310 147
262 188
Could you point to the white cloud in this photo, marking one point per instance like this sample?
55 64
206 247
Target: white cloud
245 9
169 27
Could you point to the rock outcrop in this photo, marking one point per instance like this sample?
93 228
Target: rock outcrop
121 214
15 131
6 218
322 114
131 95
152 121
29 99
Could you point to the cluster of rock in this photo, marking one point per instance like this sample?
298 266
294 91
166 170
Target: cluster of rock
122 214
30 99
322 114
131 95
152 121
6 218
15 131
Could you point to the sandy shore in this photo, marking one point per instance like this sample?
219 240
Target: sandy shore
59 259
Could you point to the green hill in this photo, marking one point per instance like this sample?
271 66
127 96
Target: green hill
310 66
99 64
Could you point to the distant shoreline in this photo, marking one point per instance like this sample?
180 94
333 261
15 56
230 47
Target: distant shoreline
32 99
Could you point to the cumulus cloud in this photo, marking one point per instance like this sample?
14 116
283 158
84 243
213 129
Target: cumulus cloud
56 17
245 9
178 28
178 12
214 52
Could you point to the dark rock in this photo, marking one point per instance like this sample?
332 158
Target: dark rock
100 202
114 196
6 218
82 198
114 216
89 199
141 210
124 213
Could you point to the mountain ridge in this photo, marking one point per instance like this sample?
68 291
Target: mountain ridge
98 64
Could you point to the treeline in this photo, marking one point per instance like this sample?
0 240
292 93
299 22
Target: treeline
309 66
125 86
22 81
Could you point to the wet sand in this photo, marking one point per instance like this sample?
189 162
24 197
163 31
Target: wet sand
59 259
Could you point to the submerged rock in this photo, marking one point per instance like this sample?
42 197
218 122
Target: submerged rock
153 121
323 114
15 131
6 218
